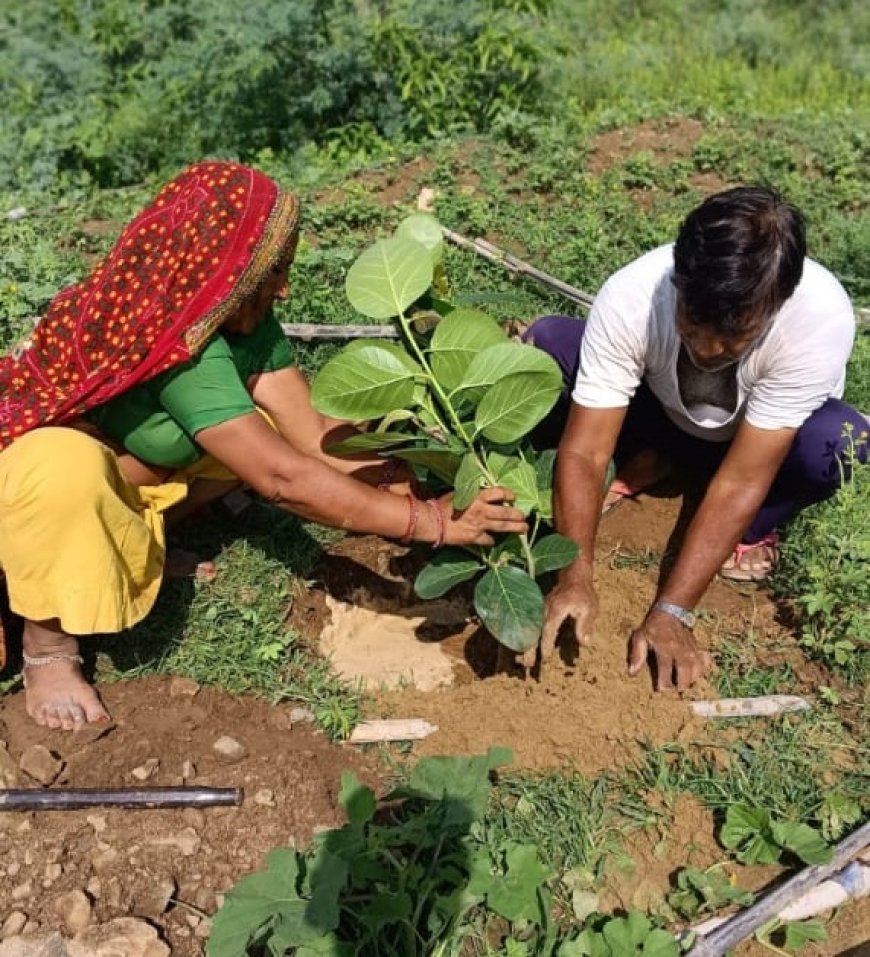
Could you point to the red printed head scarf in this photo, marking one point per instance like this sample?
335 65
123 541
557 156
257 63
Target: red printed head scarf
177 272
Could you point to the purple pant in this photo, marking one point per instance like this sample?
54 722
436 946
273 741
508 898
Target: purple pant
810 473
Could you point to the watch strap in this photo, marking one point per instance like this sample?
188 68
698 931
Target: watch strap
683 615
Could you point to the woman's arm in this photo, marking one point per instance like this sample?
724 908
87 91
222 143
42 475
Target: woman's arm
314 490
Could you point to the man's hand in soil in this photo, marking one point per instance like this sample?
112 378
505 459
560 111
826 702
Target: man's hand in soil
573 597
673 646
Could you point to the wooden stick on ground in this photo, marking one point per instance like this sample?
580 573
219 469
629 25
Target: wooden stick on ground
515 265
746 922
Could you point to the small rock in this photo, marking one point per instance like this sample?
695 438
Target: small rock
53 871
123 935
104 860
8 769
193 920
265 798
94 887
180 687
13 868
150 898
202 929
13 924
302 716
188 771
193 817
75 910
228 749
204 899
97 822
21 892
146 770
187 841
42 765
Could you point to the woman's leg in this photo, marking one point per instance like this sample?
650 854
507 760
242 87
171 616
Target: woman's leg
82 552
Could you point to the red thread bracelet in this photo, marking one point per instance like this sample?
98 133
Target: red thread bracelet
413 515
439 522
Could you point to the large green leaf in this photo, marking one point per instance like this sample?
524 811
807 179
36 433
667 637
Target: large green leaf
515 895
469 479
365 381
388 277
503 359
426 230
459 337
511 607
552 552
515 405
520 478
802 840
255 901
370 442
439 461
448 568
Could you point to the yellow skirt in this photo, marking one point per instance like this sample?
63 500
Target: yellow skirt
78 542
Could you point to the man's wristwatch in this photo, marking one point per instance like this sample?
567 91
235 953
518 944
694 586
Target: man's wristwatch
683 615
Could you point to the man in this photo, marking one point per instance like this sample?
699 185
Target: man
726 351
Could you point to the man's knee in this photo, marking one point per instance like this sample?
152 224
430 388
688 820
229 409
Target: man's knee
833 439
559 337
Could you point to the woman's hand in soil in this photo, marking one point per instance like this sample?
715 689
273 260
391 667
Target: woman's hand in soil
573 597
489 513
679 662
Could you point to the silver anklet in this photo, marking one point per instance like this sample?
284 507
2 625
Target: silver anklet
37 660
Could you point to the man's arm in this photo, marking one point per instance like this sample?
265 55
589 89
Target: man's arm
733 498
584 454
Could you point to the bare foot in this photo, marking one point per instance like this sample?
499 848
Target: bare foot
642 471
56 693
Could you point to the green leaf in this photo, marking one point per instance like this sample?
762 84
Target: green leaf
589 943
439 461
511 607
389 276
799 933
515 405
624 935
515 896
426 230
365 381
370 442
659 943
545 465
386 908
457 340
461 782
742 823
552 552
358 801
802 840
501 360
520 478
448 568
468 481
254 902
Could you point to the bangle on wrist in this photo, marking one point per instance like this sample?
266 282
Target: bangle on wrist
413 515
685 616
439 522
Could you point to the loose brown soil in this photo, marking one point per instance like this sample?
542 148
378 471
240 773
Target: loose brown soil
581 713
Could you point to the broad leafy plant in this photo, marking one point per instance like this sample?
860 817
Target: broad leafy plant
456 400
758 838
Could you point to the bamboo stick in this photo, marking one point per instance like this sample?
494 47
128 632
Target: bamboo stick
308 331
747 921
70 799
761 706
391 729
515 265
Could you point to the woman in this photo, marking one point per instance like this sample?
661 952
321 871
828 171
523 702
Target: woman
151 375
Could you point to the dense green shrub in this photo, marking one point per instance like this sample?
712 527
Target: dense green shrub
117 88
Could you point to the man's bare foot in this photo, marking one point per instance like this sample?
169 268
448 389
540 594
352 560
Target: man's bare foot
56 693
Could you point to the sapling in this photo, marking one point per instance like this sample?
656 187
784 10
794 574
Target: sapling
456 398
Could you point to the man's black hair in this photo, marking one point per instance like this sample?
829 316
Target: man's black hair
738 258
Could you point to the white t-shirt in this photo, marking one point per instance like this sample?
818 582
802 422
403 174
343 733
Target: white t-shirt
631 334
